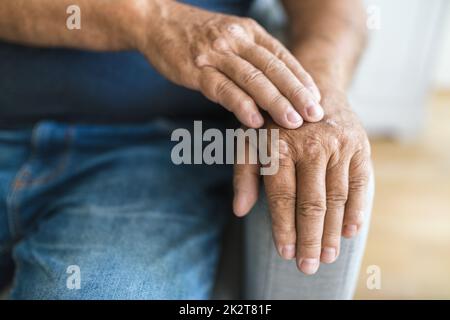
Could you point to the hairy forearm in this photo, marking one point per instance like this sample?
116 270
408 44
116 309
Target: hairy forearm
105 24
328 37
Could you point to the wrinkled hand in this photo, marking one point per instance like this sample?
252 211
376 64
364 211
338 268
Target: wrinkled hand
319 191
232 61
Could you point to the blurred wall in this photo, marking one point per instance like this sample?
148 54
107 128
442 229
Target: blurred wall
396 74
442 71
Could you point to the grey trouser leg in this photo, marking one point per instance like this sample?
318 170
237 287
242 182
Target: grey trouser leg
267 276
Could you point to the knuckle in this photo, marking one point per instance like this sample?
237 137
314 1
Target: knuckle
237 29
340 137
336 199
360 161
283 149
249 77
202 60
222 88
355 140
358 183
297 92
251 22
344 139
276 99
284 161
354 217
310 242
332 236
273 65
312 208
281 199
282 195
364 150
279 51
245 105
312 147
338 150
221 45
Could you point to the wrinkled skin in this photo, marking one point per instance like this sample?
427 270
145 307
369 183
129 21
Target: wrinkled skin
319 191
232 61
318 194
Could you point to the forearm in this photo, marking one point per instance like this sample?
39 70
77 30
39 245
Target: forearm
105 24
328 37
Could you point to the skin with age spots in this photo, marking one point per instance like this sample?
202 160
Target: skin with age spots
318 195
233 61
331 122
319 190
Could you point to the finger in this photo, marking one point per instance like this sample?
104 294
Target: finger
284 79
218 88
246 188
278 49
281 193
245 181
357 193
337 191
261 89
311 207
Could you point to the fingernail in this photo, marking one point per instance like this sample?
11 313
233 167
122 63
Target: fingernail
328 255
309 266
350 230
294 118
288 251
315 92
314 111
257 120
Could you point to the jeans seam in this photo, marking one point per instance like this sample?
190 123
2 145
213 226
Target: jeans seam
13 209
20 182
68 138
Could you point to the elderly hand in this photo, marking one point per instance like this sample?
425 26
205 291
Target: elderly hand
319 191
232 61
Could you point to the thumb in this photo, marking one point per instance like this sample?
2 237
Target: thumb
246 188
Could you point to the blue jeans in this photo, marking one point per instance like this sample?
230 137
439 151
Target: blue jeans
107 201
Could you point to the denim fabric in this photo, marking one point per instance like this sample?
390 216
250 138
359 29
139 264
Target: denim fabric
108 199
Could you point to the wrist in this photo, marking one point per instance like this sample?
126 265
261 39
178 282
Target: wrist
147 16
130 17
323 64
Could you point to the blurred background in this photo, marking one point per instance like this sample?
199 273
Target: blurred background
402 94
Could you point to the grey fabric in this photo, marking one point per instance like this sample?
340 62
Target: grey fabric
267 276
